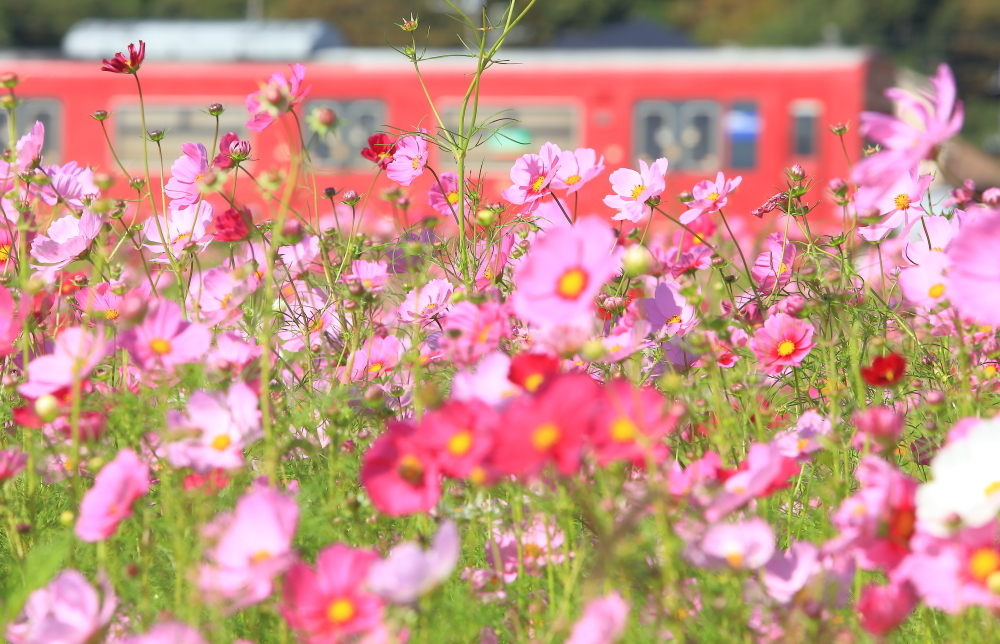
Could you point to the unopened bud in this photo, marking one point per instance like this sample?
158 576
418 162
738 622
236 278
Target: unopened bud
839 129
355 287
66 518
934 397
291 232
685 196
486 217
373 394
411 24
239 150
350 197
329 193
157 135
637 261
103 180
8 102
9 79
326 116
796 173
991 197
592 350
718 262
273 95
99 115
671 382
136 183
615 304
47 407
350 305
215 109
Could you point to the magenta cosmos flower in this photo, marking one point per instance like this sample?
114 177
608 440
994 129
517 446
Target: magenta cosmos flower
399 473
576 168
109 502
279 96
782 342
187 172
565 268
603 621
408 161
531 175
443 196
217 426
709 197
371 275
121 65
76 353
69 182
427 302
975 275
634 189
773 268
472 330
68 238
329 603
250 547
12 462
67 611
164 339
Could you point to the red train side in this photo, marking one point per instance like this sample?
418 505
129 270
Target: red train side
746 112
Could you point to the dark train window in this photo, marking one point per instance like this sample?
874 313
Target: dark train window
357 120
49 112
743 124
685 132
516 129
805 121
182 124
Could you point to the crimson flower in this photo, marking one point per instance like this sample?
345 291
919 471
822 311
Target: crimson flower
118 64
885 370
232 225
380 149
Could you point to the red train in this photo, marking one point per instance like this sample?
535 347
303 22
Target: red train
751 112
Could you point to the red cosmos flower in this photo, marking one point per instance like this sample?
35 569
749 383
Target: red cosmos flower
460 434
400 475
380 149
232 225
530 370
631 424
118 64
885 370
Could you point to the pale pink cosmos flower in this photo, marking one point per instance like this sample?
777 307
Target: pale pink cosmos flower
487 382
576 168
633 189
215 296
69 183
12 461
425 303
180 228
187 172
66 611
563 271
250 546
409 571
371 275
215 430
309 317
603 621
938 118
531 175
899 205
116 488
66 239
773 268
279 96
927 284
975 273
787 572
377 357
28 152
668 310
764 469
935 240
76 353
232 353
470 331
709 197
164 340
298 258
746 545
443 197
493 260
409 160
803 439
168 633
782 342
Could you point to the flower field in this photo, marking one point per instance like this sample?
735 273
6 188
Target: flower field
510 422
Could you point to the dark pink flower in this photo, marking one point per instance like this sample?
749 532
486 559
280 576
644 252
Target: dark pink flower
531 176
109 502
782 342
400 475
709 197
120 65
882 609
279 96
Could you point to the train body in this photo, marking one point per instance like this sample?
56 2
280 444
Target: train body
749 112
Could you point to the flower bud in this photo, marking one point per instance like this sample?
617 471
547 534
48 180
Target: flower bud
685 196
839 129
411 24
273 95
615 304
136 183
796 173
592 350
157 135
291 232
486 217
350 197
671 382
8 102
637 261
239 150
99 115
792 305
326 116
133 309
838 187
47 407
718 262
991 197
9 79
355 287
66 518
103 180
934 397
215 109
329 193
373 394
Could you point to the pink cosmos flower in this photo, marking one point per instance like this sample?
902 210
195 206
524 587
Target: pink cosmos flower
773 267
696 477
220 425
941 231
787 572
460 436
698 258
109 502
66 239
250 547
69 183
426 303
883 608
802 440
232 353
298 258
764 471
709 197
408 161
12 461
329 604
631 424
169 633
531 175
565 268
746 545
180 228
668 310
603 621
879 428
927 284
377 357
67 611
184 188
215 296
576 168
471 331
409 571
164 340
633 189
487 382
371 275
905 145
399 474
975 272
899 205
493 259
76 353
279 96
782 342
445 201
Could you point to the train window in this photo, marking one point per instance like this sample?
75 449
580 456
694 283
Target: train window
743 125
182 124
685 132
525 129
805 119
357 120
49 112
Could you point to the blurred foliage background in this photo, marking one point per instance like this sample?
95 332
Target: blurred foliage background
915 33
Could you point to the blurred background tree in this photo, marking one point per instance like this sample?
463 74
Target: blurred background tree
916 33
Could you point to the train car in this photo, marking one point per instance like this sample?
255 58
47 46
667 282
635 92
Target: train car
749 112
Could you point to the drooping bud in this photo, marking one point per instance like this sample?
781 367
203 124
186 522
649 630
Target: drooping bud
157 135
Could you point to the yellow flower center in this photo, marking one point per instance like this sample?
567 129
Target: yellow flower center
226 299
411 469
375 367
623 430
802 444
537 183
674 319
341 611
4 252
460 443
990 370
111 314
259 556
416 163
221 442
638 190
936 291
545 436
533 382
786 348
902 202
735 559
713 196
160 346
983 563
452 197
201 175
782 269
572 283
573 180
992 488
